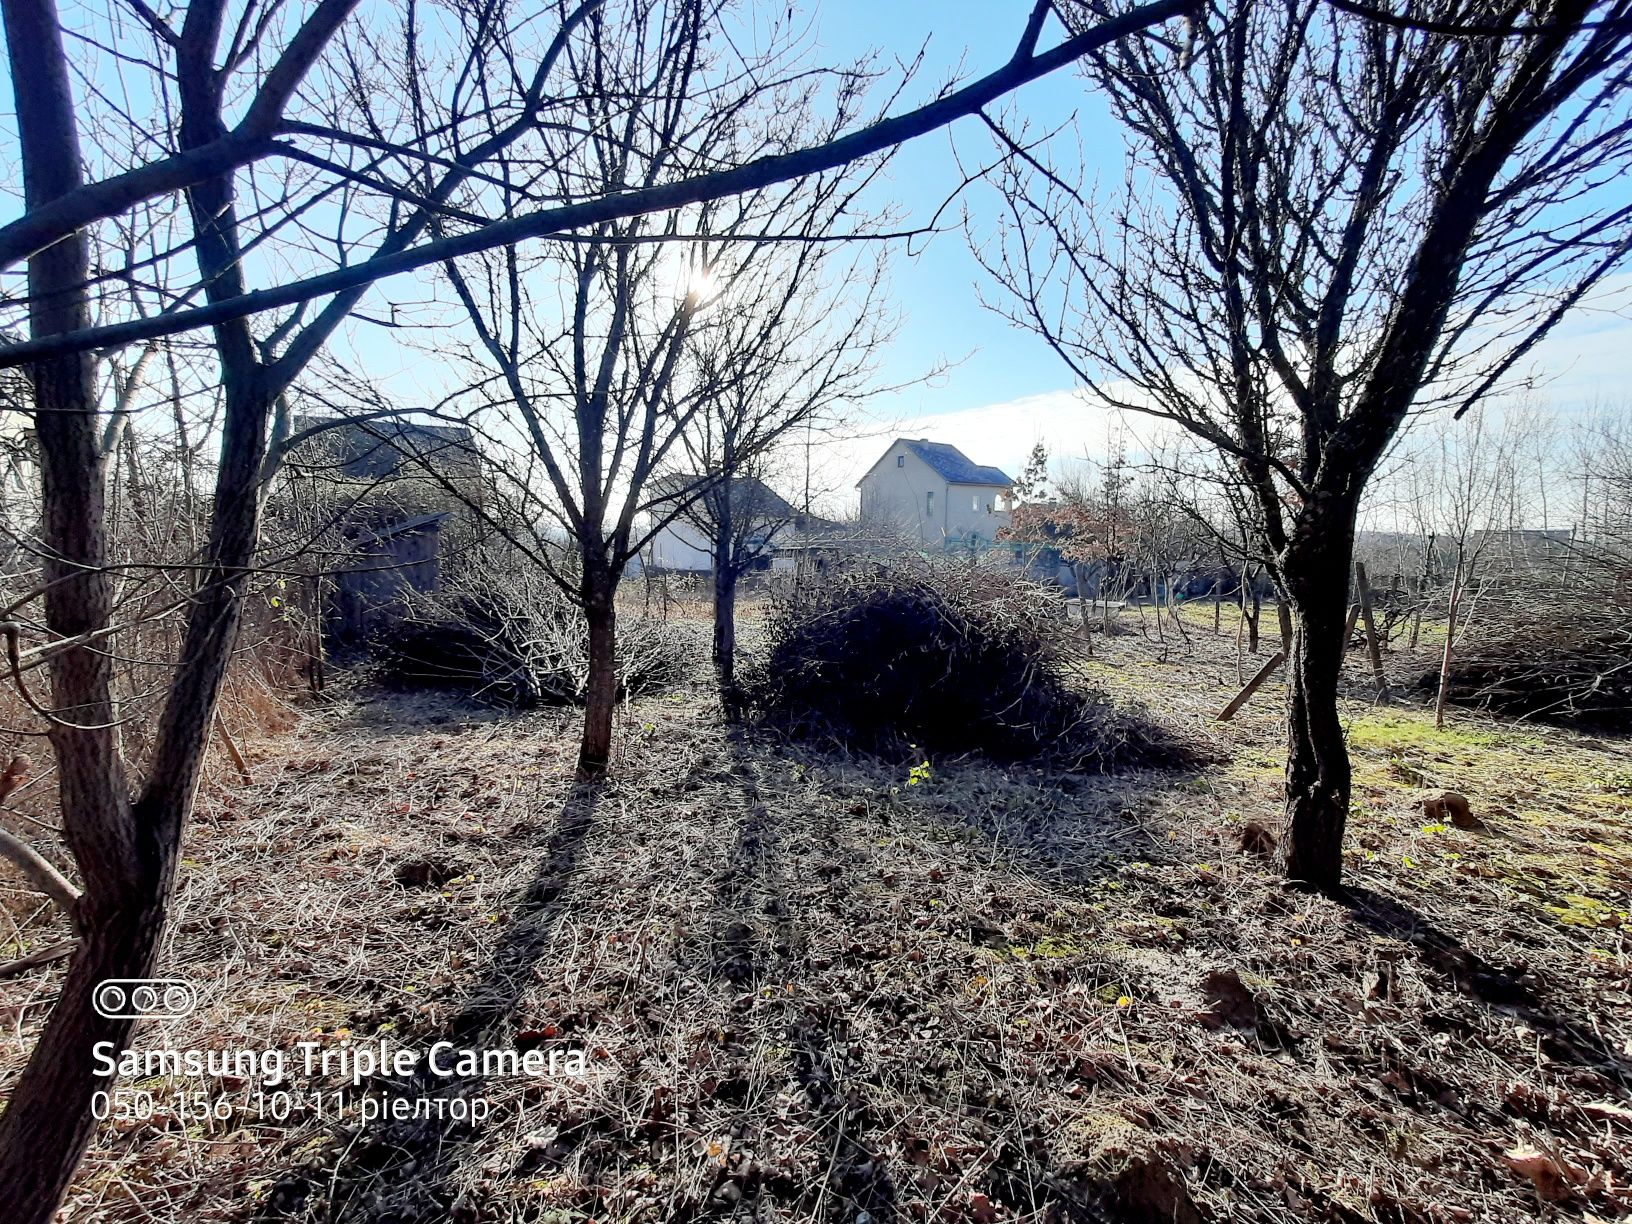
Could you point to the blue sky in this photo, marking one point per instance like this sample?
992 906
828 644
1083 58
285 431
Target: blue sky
1005 391
993 365
936 287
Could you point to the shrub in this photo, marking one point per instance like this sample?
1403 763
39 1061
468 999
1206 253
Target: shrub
946 659
510 636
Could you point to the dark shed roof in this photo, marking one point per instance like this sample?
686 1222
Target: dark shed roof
750 497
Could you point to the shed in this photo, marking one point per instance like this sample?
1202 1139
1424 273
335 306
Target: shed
388 561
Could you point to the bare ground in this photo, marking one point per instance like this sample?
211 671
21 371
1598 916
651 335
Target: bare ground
808 988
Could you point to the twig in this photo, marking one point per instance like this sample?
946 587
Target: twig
33 960
39 872
232 748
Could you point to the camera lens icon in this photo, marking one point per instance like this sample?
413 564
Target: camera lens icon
110 999
144 998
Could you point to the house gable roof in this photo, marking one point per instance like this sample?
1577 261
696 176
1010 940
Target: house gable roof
750 496
949 463
384 447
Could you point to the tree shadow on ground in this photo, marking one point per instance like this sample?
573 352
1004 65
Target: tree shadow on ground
765 902
782 872
1511 988
756 942
397 1170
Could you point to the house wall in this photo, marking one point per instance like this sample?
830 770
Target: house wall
896 494
680 546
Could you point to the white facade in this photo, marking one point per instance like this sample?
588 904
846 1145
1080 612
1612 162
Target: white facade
683 545
932 490
680 546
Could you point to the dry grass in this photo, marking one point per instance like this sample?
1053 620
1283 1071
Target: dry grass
810 988
258 717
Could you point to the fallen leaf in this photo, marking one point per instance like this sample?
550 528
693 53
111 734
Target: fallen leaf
1554 1179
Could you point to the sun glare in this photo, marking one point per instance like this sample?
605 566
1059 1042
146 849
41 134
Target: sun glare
693 277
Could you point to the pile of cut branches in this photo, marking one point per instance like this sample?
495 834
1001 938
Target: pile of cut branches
940 658
1566 661
515 639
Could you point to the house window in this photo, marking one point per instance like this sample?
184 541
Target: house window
929 503
900 461
974 502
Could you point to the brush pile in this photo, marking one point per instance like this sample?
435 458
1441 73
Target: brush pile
945 659
515 639
1566 661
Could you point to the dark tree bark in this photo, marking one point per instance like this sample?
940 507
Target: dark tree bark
47 1124
1357 220
111 197
124 860
725 593
126 851
1315 570
601 689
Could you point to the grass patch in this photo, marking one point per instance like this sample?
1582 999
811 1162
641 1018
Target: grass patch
1390 731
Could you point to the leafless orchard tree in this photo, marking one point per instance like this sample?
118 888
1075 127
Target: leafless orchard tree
1601 466
124 844
691 338
791 350
1330 221
1477 496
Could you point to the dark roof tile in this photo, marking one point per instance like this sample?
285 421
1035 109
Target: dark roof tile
953 466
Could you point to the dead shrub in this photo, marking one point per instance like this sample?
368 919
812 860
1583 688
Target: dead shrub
945 659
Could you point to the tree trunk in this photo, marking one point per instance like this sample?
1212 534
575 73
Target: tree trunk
48 1121
1173 611
1316 568
601 691
1241 637
725 591
1079 573
126 852
725 629
1373 645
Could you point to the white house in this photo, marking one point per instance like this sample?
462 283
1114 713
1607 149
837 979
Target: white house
762 519
936 491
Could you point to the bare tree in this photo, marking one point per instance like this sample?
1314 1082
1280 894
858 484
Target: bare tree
230 149
125 840
679 329
742 519
792 349
1346 220
1471 468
